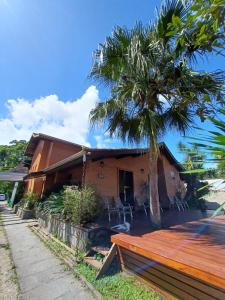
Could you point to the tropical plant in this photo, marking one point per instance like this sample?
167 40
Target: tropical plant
52 205
193 157
153 87
29 200
203 29
82 205
212 142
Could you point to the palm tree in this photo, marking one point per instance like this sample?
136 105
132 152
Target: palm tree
153 87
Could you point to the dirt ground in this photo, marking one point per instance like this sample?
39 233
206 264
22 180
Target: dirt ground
9 289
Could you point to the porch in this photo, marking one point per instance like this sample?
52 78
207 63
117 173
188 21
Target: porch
184 261
141 224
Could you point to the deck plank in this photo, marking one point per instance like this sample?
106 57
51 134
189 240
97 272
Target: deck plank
195 248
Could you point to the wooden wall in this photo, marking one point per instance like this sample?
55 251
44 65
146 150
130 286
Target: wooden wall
168 280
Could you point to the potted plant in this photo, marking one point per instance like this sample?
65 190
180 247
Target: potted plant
27 204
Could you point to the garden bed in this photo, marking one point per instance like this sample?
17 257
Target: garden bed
88 235
113 286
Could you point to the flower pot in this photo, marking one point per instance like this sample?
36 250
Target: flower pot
15 208
27 214
19 211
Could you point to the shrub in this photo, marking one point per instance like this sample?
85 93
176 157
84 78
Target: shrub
81 205
29 200
53 205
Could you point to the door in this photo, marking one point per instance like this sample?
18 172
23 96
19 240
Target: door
126 187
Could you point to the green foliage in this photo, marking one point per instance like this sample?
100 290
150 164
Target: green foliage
29 200
11 155
202 28
194 165
53 205
81 205
193 158
6 188
212 142
154 87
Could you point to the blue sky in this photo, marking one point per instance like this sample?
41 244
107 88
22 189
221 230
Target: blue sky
45 57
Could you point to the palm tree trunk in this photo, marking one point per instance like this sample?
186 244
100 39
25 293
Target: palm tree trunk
153 188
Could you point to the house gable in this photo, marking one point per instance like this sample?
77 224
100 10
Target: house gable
46 151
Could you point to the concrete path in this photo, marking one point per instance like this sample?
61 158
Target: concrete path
41 275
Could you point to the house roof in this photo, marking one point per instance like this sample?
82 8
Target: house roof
16 174
215 184
95 154
12 176
36 137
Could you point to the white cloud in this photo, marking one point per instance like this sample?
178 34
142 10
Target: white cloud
67 120
104 141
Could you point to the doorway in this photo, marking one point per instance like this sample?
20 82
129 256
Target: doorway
126 187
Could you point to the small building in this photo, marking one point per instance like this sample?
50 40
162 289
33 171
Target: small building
120 173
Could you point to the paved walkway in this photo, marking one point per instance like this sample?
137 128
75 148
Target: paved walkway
41 275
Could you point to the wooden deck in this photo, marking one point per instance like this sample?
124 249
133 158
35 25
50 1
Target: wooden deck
187 260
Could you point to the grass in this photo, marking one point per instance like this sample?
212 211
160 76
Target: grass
111 287
116 286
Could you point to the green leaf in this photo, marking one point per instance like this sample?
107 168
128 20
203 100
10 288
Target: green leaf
215 25
202 30
177 21
171 33
194 171
206 98
194 7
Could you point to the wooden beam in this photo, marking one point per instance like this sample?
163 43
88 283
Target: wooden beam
108 260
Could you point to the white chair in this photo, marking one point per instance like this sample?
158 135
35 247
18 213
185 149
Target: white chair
185 202
175 203
146 205
125 210
179 204
110 208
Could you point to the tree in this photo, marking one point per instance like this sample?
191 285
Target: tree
193 157
203 29
153 87
193 160
10 156
212 143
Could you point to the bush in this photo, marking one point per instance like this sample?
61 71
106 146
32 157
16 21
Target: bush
81 205
29 200
53 205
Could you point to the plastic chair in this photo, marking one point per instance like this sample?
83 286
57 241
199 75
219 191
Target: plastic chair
125 210
111 209
175 203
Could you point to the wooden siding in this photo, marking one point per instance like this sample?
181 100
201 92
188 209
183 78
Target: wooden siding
167 279
186 260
